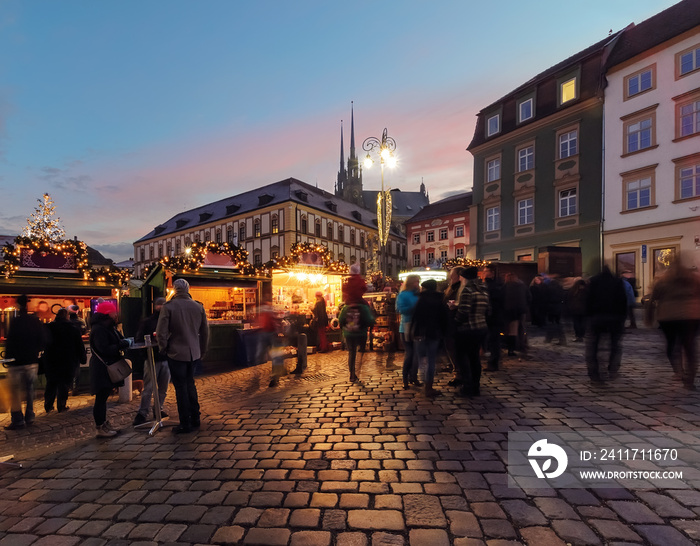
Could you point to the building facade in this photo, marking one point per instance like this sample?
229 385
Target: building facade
440 231
652 145
538 164
268 221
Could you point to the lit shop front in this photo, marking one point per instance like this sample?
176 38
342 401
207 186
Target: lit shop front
53 275
229 288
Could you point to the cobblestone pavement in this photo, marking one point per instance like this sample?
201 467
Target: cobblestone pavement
320 461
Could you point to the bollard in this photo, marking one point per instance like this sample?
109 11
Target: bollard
301 353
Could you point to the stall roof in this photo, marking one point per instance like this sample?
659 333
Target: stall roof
205 276
56 285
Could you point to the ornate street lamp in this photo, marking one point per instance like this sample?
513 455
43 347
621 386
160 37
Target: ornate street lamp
384 149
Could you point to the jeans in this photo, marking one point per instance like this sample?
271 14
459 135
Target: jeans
468 345
162 380
410 362
99 409
683 332
182 373
428 349
614 327
21 381
354 344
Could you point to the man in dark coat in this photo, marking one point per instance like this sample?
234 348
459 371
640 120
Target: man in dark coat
183 334
162 378
64 354
606 306
26 339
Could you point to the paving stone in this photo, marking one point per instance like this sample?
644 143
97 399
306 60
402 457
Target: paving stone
522 514
228 535
305 517
555 508
387 539
634 512
662 535
428 537
351 539
463 524
664 506
274 517
497 528
145 531
334 519
391 520
575 532
311 538
324 500
56 540
614 530
170 532
186 514
540 536
247 516
267 537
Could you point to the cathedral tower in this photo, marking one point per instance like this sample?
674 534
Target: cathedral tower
349 183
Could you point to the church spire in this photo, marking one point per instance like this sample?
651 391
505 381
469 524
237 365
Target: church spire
342 157
352 129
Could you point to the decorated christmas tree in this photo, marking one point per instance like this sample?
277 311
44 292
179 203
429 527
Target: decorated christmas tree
42 225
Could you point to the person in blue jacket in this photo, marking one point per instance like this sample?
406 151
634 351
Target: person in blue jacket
406 304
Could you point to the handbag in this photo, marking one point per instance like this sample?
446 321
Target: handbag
119 370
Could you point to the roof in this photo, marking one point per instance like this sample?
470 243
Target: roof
659 28
404 204
276 193
449 205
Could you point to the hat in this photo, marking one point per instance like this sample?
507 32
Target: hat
319 294
159 301
105 308
73 308
181 285
470 273
429 285
355 269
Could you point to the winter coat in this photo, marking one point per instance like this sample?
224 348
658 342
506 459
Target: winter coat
606 296
26 338
355 319
183 332
320 314
107 342
676 295
65 352
430 317
405 304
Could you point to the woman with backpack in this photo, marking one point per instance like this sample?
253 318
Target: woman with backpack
355 319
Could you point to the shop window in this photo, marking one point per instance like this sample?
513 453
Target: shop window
663 258
459 231
626 262
443 234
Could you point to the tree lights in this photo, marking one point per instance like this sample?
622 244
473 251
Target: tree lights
42 225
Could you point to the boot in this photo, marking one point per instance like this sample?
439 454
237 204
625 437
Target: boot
429 390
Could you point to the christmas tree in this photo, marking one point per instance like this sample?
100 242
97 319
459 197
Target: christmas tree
42 225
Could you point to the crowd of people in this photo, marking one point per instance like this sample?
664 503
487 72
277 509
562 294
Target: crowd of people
475 314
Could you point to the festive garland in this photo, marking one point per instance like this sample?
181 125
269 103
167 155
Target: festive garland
464 262
12 252
286 262
194 257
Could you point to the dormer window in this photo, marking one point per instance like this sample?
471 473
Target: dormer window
181 223
264 199
231 209
204 216
332 206
493 125
302 195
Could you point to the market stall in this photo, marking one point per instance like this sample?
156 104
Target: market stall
230 290
295 282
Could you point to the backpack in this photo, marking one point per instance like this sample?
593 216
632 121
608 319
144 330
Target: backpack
353 319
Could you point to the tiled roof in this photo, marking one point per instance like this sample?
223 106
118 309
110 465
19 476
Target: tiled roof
280 192
449 205
403 203
659 28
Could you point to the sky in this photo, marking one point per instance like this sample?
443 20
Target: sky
128 112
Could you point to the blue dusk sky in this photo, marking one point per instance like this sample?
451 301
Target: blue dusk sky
127 112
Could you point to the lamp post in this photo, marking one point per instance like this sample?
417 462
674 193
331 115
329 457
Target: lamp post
384 149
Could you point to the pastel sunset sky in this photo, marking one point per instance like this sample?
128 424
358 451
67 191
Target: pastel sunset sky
129 111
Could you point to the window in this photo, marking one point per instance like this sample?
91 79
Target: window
459 252
526 211
568 144
639 130
493 219
142 254
443 254
317 228
430 236
640 81
567 90
362 239
526 158
303 225
416 260
177 247
459 231
241 232
341 234
329 230
218 236
188 241
257 259
160 250
196 237
525 110
352 238
256 228
688 61
638 193
431 257
207 235
688 117
493 170
688 177
275 225
229 235
567 202
493 125
626 262
416 238
443 234
275 254
663 258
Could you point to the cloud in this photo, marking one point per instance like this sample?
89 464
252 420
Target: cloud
116 251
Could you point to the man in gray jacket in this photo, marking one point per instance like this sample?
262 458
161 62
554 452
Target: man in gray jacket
182 333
